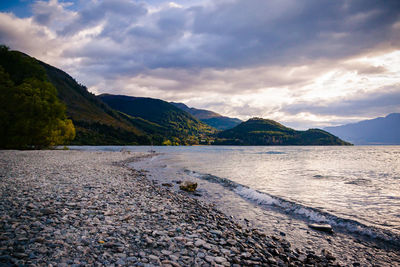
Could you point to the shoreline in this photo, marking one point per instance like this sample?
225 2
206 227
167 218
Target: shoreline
347 247
77 208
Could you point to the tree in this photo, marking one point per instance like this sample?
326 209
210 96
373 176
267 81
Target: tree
31 115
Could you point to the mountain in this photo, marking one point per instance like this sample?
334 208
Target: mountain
198 113
152 122
209 117
378 131
31 114
257 131
222 123
176 124
95 122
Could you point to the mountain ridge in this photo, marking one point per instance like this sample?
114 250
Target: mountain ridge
125 120
377 131
95 122
176 123
209 117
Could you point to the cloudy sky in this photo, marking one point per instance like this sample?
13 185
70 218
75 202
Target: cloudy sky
310 63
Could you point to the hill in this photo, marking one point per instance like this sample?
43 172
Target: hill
378 131
209 117
257 131
173 123
95 122
31 114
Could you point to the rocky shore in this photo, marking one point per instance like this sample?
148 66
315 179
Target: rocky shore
75 208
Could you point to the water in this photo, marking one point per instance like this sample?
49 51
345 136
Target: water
354 189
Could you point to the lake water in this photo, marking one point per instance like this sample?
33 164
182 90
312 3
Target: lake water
354 189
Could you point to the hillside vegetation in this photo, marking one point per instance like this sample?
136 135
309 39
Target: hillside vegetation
178 126
43 106
259 131
211 118
31 115
95 122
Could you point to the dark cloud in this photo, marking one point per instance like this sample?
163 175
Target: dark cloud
119 13
383 101
231 34
236 51
257 31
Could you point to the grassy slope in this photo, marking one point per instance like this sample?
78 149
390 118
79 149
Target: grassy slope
96 123
170 120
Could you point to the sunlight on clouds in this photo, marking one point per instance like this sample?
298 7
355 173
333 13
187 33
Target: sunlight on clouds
175 5
344 78
389 60
210 54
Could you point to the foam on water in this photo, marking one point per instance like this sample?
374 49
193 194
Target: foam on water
354 189
308 214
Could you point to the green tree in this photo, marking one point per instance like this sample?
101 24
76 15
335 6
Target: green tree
31 115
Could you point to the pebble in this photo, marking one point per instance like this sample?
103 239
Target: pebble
77 208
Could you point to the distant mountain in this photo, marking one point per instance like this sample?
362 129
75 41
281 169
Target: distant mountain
198 113
378 131
222 123
170 120
209 117
257 131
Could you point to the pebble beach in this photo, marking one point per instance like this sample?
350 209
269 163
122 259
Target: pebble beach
81 208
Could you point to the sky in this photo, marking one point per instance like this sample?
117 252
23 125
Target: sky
306 64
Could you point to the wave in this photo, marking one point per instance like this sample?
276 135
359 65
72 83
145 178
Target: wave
305 213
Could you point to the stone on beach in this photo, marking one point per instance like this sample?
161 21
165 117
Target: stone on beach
188 186
77 208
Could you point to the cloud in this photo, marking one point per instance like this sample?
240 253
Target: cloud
224 34
53 14
381 101
256 31
117 13
272 58
25 34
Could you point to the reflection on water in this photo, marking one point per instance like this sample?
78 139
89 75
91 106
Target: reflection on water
355 187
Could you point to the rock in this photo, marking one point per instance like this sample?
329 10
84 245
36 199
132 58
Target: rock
209 259
321 227
199 242
207 246
47 211
216 232
154 258
120 262
167 184
166 252
219 259
188 186
131 259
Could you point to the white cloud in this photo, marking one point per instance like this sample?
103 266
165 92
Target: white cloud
238 58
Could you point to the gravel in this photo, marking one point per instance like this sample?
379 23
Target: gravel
80 208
